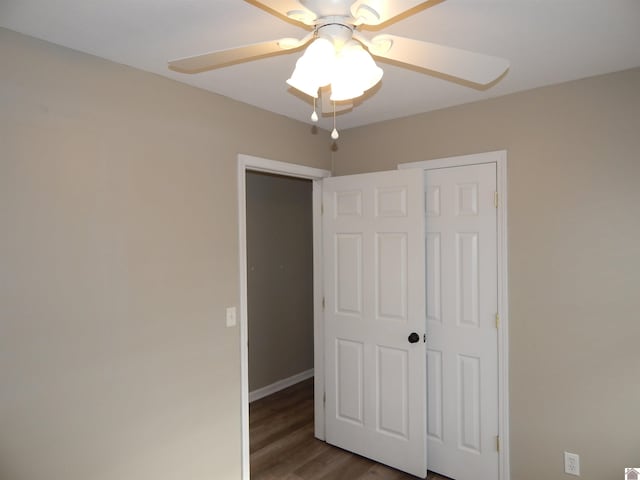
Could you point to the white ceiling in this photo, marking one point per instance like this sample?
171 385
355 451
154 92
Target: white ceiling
546 42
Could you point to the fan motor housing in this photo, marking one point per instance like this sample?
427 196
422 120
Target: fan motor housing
335 29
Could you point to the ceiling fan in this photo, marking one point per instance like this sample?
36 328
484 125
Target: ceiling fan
336 56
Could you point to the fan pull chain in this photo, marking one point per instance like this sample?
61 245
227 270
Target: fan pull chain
314 115
334 133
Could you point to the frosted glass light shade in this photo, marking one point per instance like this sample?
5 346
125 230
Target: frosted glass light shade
315 68
355 72
351 72
303 80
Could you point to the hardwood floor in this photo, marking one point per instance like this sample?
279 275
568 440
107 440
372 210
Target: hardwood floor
283 446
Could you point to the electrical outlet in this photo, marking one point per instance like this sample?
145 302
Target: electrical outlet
572 463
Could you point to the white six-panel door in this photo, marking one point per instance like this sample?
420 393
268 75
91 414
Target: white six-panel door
374 271
461 257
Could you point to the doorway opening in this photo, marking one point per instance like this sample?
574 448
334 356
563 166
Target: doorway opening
278 171
279 231
279 227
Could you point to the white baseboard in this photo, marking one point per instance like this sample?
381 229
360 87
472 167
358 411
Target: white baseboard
279 385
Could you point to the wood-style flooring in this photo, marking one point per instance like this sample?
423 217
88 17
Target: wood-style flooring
283 446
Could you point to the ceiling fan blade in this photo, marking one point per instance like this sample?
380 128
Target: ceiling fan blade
375 12
473 67
222 58
289 8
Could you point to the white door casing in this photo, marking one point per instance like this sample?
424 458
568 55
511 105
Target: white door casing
374 277
462 354
248 162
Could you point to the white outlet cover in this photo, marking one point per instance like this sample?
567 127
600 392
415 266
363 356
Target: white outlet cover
572 463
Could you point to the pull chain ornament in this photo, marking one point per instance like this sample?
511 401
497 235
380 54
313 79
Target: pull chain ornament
314 115
334 134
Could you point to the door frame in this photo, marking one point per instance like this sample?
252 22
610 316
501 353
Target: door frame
257 164
500 159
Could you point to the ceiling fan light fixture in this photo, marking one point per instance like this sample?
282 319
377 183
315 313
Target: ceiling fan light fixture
319 60
336 56
342 91
314 69
302 79
362 65
355 73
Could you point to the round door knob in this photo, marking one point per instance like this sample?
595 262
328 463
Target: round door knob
414 337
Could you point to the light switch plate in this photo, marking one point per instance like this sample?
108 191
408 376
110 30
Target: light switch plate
231 316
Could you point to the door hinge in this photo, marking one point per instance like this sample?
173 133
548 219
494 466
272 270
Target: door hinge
322 208
324 398
498 443
323 303
497 320
495 199
424 338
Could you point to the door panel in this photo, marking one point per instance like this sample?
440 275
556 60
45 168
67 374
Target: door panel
373 238
348 268
434 389
469 398
391 276
350 381
434 277
392 391
461 255
467 279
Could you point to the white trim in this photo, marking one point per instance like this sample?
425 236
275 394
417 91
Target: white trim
248 162
500 159
244 340
282 168
318 313
459 161
279 385
503 311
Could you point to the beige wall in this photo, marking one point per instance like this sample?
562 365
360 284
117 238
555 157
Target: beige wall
574 258
118 257
119 253
279 277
